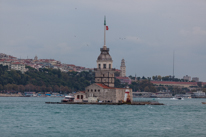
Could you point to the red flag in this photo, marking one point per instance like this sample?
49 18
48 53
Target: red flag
107 28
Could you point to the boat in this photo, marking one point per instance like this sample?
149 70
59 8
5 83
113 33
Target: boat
203 102
180 98
173 98
68 98
177 98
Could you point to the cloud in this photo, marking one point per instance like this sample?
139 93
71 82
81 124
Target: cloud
198 31
193 31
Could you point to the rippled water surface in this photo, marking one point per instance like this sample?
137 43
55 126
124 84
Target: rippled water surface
31 117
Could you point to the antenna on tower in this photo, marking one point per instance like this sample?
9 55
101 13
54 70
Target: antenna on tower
173 64
105 28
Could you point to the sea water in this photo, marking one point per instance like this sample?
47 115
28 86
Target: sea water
31 117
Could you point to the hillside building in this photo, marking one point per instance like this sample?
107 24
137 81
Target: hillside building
35 58
188 78
196 79
18 66
123 69
124 80
6 62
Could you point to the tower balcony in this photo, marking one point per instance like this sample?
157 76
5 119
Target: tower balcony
102 49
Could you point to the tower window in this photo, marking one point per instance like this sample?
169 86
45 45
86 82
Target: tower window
99 66
104 66
109 66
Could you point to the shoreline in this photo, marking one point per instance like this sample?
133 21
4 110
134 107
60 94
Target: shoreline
97 103
11 95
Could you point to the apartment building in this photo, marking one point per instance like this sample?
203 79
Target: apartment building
18 66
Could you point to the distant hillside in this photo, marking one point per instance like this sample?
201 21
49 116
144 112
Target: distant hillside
44 80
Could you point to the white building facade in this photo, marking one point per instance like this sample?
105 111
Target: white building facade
123 69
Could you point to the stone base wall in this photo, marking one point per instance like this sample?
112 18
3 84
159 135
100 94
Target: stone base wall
114 95
78 100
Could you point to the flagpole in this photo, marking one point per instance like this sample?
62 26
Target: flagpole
104 30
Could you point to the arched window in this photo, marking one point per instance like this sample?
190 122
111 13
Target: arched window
81 96
99 66
77 96
104 66
109 66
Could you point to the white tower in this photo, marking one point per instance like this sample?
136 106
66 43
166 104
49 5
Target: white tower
123 69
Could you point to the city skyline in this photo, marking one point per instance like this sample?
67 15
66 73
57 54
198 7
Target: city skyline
144 33
54 64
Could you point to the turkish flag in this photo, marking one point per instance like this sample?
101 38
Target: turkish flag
107 28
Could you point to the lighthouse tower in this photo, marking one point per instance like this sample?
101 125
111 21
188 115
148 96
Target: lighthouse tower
104 73
103 90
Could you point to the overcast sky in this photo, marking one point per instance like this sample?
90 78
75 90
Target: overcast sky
143 32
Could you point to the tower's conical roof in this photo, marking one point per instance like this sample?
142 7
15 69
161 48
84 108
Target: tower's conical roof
104 55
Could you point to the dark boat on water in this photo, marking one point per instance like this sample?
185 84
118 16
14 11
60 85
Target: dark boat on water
180 98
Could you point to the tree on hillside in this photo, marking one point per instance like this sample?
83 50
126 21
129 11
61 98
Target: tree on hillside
159 77
146 89
116 74
199 84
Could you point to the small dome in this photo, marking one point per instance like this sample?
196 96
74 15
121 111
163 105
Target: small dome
104 55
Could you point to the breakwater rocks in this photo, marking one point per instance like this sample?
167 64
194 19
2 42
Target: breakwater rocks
108 103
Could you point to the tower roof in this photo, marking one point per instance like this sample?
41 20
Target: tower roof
104 55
